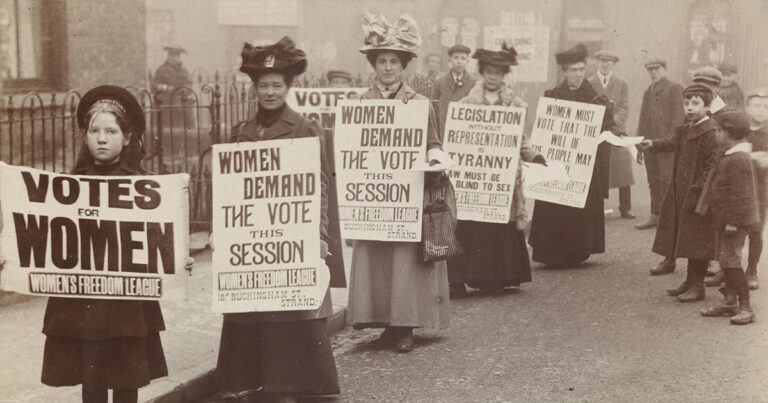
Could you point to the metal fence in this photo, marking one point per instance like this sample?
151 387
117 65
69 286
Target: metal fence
40 130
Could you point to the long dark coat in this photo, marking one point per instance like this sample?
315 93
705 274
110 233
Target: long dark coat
111 342
681 232
446 90
617 92
289 125
568 235
660 114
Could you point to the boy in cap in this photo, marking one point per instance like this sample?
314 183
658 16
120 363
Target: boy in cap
730 198
682 233
454 85
661 113
338 79
605 82
729 89
757 109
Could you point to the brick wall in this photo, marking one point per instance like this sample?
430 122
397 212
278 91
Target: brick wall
105 43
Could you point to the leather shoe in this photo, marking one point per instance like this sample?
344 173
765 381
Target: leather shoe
665 267
627 215
682 288
694 293
651 223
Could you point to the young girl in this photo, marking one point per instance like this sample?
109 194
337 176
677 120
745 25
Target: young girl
105 344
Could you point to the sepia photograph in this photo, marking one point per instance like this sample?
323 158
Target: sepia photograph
326 201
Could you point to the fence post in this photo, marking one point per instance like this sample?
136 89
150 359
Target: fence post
159 128
216 109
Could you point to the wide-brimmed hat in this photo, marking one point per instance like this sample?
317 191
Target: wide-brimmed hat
708 75
174 48
505 57
380 34
655 61
282 57
575 54
606 54
118 97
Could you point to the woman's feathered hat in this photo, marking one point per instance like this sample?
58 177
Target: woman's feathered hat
505 57
118 97
282 56
380 34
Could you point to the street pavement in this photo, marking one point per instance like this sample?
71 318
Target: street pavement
602 332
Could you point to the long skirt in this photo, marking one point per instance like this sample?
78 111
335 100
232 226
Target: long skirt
114 363
278 357
391 286
495 256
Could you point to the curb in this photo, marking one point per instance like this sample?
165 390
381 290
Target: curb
196 383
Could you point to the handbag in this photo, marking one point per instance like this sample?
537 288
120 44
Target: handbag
438 235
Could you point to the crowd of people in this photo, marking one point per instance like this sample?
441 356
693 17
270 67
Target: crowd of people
704 152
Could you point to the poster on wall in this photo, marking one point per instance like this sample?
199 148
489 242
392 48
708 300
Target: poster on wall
378 145
532 45
266 226
568 132
484 143
258 13
78 236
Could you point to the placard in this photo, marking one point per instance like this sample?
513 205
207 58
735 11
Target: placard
377 145
484 142
568 132
319 104
266 226
102 237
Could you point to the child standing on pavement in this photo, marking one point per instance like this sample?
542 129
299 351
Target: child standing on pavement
99 343
757 109
730 197
681 232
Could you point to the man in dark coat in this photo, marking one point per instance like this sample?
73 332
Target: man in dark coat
605 82
682 233
660 114
454 85
563 235
169 76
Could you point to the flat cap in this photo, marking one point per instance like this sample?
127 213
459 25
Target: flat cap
727 68
655 61
708 75
174 48
698 88
575 54
606 54
735 123
757 93
338 74
458 48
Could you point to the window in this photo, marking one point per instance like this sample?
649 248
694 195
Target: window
32 39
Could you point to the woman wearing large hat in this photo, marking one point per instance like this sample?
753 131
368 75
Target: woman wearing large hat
563 235
391 287
280 354
495 255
